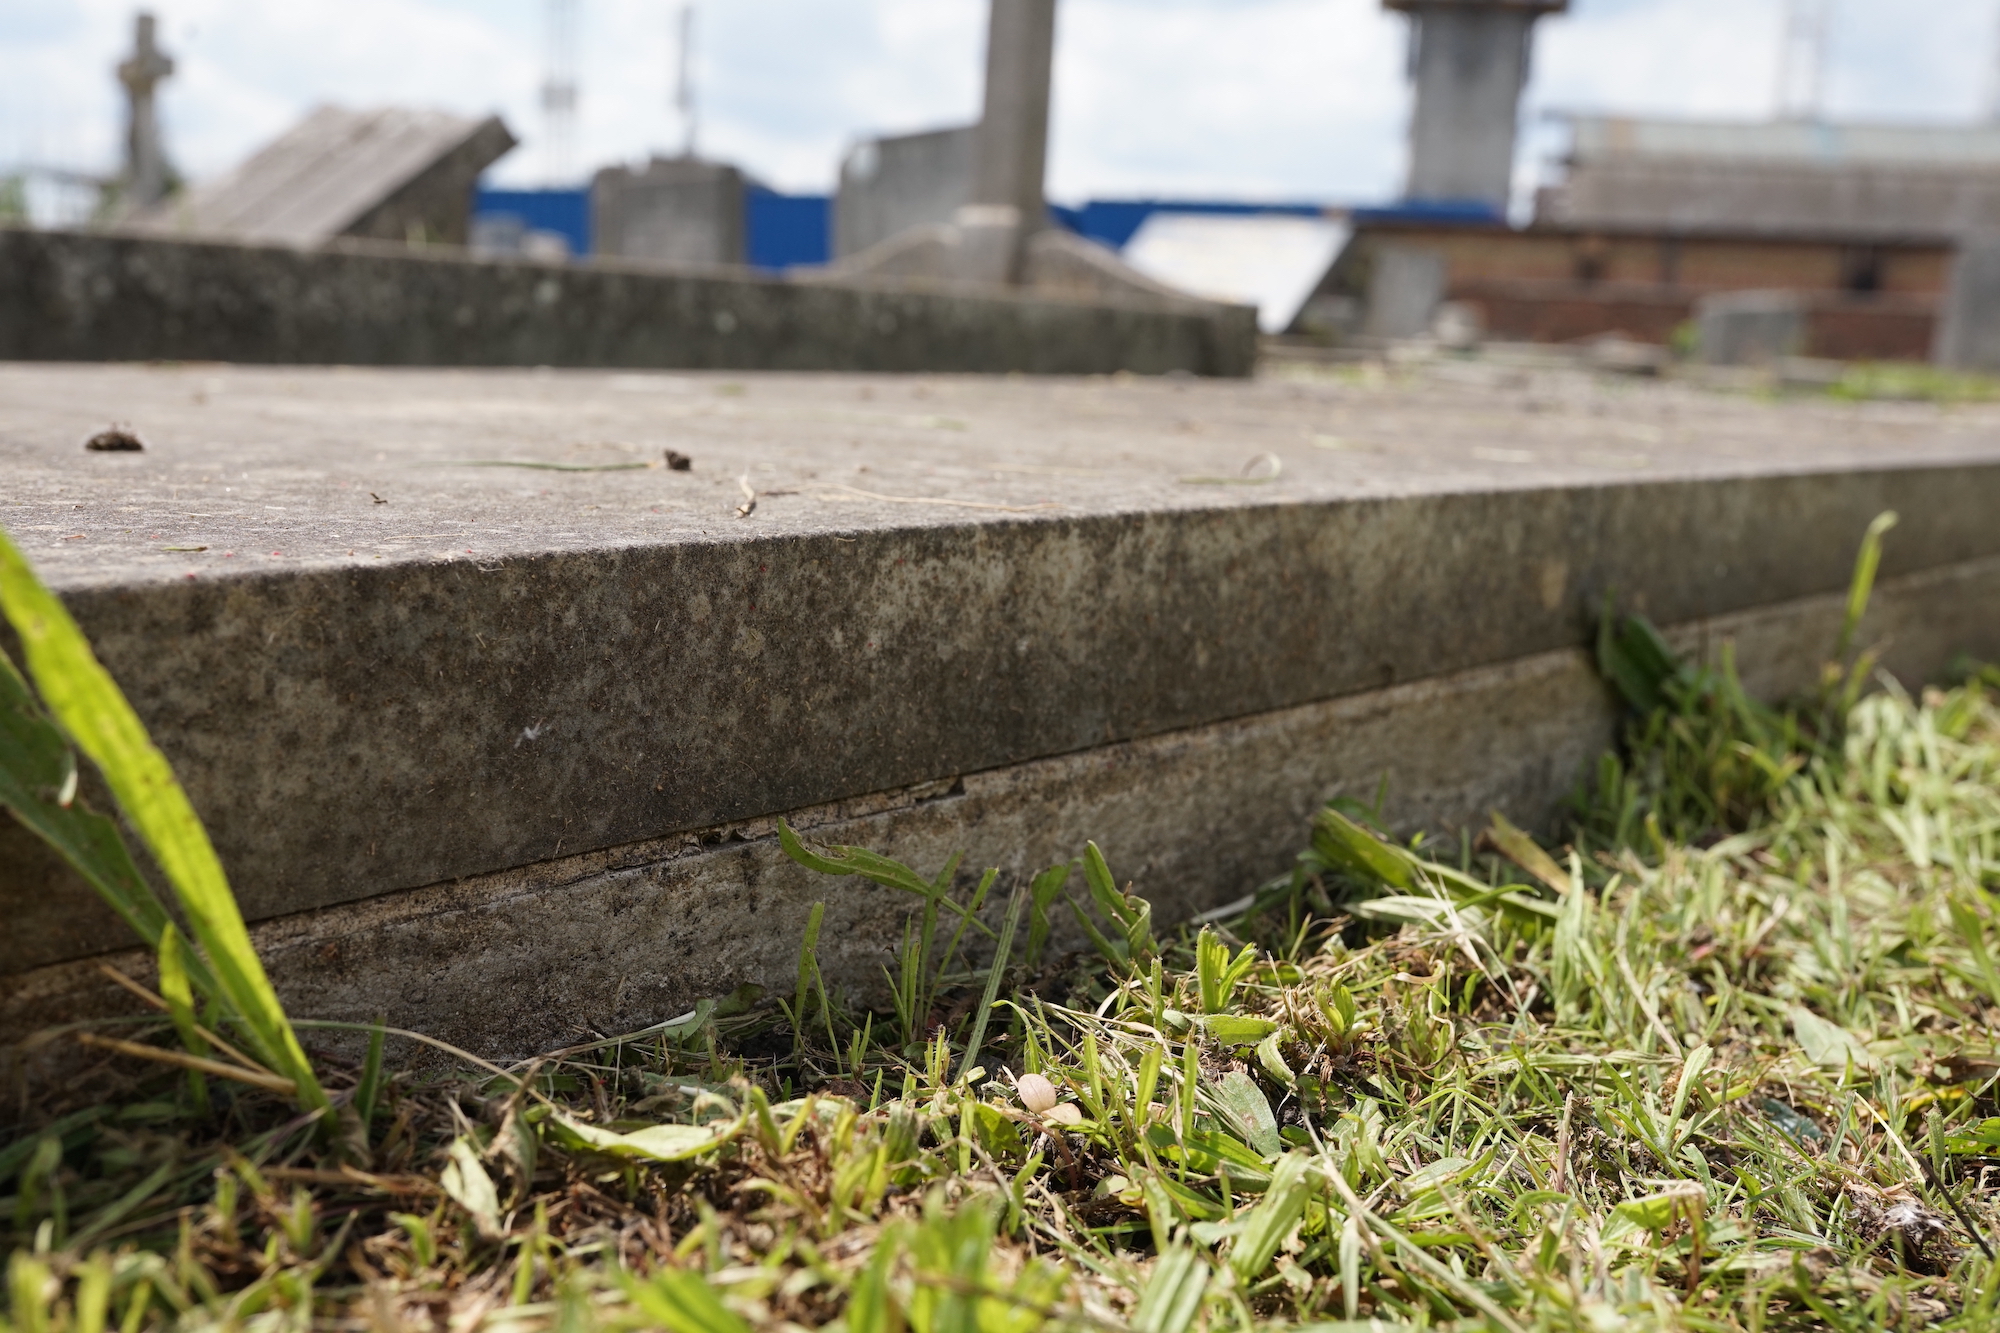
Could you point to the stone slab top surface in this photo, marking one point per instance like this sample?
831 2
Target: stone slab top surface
391 637
263 468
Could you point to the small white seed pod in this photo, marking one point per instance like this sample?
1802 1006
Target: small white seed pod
1065 1113
1036 1092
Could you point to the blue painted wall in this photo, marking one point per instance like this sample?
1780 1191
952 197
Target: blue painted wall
789 230
780 230
1114 221
783 231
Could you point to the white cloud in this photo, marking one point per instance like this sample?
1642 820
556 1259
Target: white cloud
1254 98
1271 98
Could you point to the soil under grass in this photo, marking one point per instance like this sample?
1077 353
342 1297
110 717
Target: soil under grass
1724 1061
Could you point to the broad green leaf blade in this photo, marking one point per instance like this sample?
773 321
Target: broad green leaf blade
683 1302
1526 853
1982 1138
464 1178
37 769
655 1143
1267 1225
90 706
1829 1045
1103 888
1173 1293
1273 1061
835 860
870 1307
1244 1103
1651 1214
1238 1029
1443 1171
1342 842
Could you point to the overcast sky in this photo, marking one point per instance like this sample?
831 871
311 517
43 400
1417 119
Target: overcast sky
1234 98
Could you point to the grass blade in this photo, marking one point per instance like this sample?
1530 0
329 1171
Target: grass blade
38 784
81 695
1866 561
992 991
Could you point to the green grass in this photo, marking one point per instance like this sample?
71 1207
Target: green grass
1866 381
85 707
1725 1059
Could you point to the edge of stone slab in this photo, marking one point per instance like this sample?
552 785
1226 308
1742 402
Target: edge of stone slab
1195 817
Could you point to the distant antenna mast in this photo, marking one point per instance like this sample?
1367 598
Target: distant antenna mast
559 92
1802 60
684 82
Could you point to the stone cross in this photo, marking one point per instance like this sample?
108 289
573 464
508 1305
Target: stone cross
145 156
1010 151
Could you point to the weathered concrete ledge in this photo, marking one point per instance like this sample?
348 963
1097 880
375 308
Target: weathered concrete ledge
500 752
86 296
510 963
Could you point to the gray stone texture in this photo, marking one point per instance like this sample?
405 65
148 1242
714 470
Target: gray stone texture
1406 284
674 211
1871 181
1469 60
86 297
1011 145
388 173
1968 335
1869 203
1055 263
512 963
380 662
989 238
892 184
1750 328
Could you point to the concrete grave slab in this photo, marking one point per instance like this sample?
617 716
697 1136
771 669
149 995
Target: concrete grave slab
386 173
78 296
466 689
680 211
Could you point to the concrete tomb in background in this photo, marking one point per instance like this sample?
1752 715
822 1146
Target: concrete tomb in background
390 174
680 211
898 182
1750 328
1000 235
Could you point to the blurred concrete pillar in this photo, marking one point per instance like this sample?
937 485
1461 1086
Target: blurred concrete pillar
1469 62
1011 148
1406 283
1968 335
